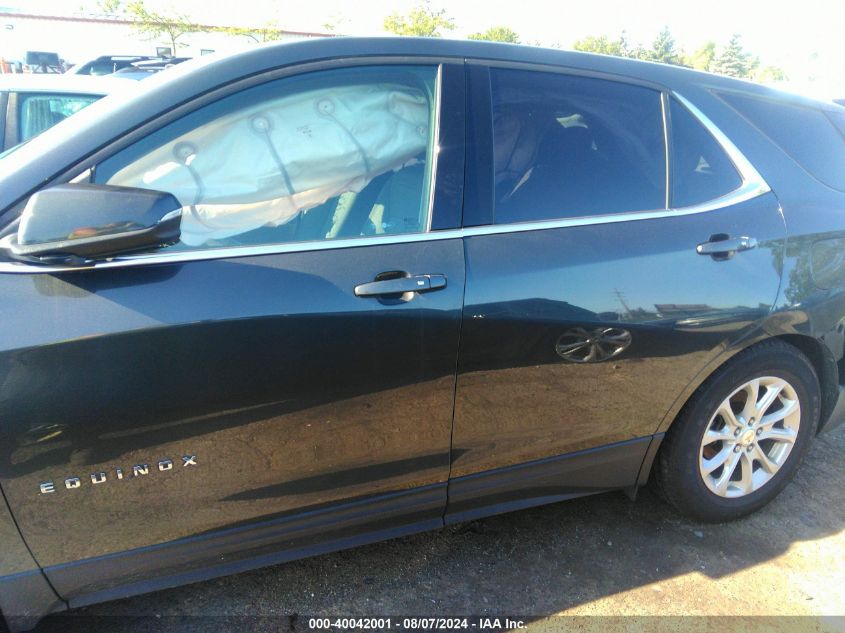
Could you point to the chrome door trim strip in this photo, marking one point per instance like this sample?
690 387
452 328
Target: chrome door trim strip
743 194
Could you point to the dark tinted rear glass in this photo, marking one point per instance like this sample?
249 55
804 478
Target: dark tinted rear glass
574 146
804 133
701 170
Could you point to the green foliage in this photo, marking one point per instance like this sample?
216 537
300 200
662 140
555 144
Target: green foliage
422 21
734 61
151 23
175 26
702 59
769 74
618 47
497 34
603 45
663 49
269 32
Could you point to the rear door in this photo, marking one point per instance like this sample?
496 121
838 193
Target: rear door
280 380
588 307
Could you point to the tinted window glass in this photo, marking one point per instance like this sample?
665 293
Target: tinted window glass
39 112
701 170
335 154
573 146
804 133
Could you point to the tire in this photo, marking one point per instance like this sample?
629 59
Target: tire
758 457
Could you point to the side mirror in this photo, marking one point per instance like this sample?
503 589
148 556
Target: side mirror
85 222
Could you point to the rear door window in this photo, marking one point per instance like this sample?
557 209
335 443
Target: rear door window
567 146
701 170
807 134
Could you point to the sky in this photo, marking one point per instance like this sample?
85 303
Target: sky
804 38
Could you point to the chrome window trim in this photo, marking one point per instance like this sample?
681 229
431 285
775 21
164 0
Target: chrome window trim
753 185
435 146
664 113
744 193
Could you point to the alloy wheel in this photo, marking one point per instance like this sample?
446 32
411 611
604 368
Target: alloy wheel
749 437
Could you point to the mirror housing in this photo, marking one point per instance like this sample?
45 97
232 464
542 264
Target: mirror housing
83 222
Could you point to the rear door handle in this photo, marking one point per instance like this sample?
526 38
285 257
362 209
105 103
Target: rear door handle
401 285
724 245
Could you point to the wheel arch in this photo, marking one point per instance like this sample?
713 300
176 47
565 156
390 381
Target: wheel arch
817 352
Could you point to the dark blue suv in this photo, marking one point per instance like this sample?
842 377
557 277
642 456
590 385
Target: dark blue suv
325 293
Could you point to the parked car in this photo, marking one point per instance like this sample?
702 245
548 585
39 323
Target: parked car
108 64
30 104
144 69
325 293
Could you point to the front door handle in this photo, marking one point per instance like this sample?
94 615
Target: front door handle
725 246
400 285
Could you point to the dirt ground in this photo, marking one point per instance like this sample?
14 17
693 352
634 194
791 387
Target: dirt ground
597 556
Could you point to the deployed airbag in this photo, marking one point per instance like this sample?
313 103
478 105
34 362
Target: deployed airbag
262 165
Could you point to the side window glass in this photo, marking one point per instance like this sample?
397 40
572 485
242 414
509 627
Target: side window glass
568 146
38 112
332 154
701 170
803 132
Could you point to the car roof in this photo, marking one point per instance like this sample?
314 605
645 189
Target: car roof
59 83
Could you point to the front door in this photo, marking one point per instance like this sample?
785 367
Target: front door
282 378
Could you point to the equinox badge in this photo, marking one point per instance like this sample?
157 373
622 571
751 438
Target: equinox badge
138 470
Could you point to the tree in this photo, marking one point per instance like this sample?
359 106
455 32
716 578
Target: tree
269 32
603 45
606 46
734 61
422 21
702 59
151 23
663 49
770 74
497 34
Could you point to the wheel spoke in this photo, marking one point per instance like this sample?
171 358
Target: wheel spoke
722 435
727 472
779 435
788 408
752 390
728 415
616 338
709 465
767 464
571 347
768 399
746 483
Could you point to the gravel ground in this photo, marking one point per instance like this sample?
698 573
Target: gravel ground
597 556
